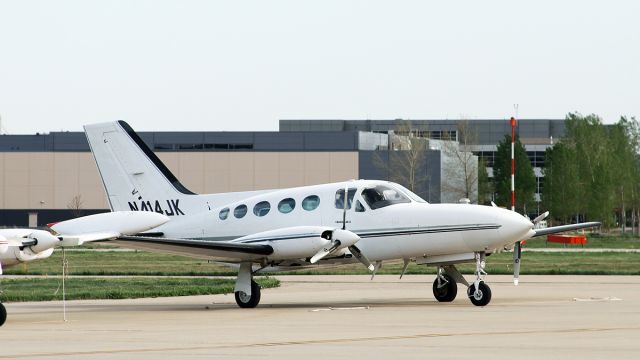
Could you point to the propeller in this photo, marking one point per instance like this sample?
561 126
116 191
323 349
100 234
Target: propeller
517 250
339 239
344 238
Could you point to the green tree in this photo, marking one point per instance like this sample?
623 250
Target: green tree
561 182
590 139
624 143
525 179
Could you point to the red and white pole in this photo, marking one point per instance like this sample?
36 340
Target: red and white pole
513 165
517 249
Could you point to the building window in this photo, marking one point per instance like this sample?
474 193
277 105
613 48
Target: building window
240 211
287 205
310 202
224 213
262 208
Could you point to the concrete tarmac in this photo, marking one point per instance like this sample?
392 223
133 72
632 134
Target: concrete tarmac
344 317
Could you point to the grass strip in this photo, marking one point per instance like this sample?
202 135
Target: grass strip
144 263
47 289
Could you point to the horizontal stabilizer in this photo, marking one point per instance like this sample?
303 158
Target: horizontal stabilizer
75 240
120 222
562 228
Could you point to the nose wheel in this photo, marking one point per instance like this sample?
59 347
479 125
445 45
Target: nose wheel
479 294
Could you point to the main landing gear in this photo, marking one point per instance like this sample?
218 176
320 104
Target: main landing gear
251 300
445 286
3 314
247 291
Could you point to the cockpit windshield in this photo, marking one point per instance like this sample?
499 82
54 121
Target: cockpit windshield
381 196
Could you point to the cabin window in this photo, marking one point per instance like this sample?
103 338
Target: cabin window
381 196
310 202
262 208
240 211
287 205
224 213
359 206
340 198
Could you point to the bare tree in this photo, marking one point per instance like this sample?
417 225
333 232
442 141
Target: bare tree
76 205
460 170
406 162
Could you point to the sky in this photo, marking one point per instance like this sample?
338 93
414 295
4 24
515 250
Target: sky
243 65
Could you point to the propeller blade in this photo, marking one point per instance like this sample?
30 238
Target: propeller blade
344 210
517 254
324 252
540 217
361 257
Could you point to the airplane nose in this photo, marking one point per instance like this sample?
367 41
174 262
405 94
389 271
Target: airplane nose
515 227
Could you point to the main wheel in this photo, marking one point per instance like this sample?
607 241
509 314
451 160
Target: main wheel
3 314
480 297
249 301
447 292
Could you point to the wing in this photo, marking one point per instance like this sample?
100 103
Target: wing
200 249
562 228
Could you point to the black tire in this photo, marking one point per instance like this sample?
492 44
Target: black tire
247 302
3 314
446 293
484 296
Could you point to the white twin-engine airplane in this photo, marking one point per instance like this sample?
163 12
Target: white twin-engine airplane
288 229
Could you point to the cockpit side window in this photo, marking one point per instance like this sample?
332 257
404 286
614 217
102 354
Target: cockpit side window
359 206
382 196
340 198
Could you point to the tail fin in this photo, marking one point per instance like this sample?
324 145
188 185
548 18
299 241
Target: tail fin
133 176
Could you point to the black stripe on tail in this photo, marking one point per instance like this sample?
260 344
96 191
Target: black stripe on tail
156 161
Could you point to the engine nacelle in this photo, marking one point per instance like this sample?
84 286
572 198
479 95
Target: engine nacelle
301 242
292 243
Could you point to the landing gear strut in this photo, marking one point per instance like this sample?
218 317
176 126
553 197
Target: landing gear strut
479 292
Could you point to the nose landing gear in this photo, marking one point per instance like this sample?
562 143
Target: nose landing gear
479 292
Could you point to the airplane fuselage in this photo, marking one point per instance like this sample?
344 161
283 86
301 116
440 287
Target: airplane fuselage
409 228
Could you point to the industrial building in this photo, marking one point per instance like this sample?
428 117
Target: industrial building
52 177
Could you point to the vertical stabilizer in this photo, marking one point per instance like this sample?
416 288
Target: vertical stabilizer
133 176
